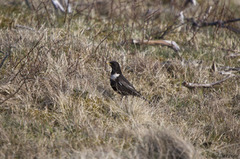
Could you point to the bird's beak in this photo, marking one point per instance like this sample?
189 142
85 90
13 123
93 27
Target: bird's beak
109 63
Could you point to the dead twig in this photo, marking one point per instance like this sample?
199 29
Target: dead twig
169 43
218 23
104 39
169 29
37 43
13 94
207 85
27 55
233 55
6 56
58 6
227 68
235 30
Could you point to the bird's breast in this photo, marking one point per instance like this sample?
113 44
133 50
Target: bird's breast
114 76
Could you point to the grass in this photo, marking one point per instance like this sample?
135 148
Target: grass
56 100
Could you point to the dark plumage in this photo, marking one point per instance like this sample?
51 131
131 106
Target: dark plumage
120 84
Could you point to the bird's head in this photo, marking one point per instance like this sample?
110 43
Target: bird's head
115 67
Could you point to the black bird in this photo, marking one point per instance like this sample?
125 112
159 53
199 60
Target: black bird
120 84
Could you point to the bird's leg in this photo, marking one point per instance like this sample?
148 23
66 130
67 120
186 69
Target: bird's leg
123 104
126 105
122 98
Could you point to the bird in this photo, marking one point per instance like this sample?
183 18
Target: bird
120 84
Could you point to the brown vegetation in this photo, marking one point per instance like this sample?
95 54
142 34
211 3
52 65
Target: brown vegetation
55 96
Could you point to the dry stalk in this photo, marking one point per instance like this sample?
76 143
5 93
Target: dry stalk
169 43
207 85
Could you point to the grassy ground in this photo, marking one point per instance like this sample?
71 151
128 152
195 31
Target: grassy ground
56 99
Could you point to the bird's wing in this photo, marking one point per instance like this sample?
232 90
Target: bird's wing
123 81
127 85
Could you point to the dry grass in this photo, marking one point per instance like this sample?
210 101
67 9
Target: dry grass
56 100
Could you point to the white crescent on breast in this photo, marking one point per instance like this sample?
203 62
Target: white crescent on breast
114 76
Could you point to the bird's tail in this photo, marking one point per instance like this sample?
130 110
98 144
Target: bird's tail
141 96
146 99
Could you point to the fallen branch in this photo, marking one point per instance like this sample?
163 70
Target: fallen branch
227 68
207 85
171 44
236 30
63 7
233 55
58 6
224 70
218 23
